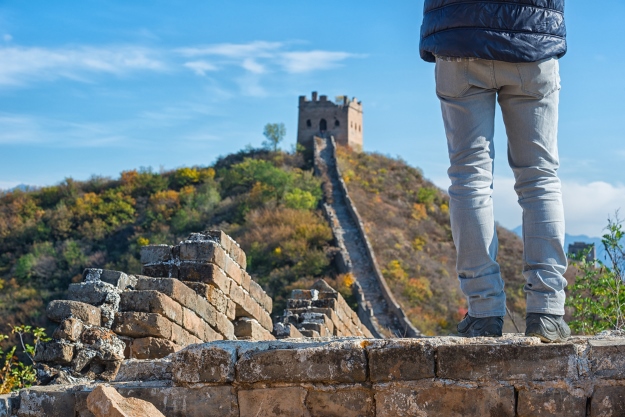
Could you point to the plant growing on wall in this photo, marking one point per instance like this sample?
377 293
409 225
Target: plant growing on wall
16 374
598 295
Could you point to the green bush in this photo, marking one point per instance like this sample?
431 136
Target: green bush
598 295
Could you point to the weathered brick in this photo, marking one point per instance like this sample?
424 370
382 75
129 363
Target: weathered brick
607 359
59 310
168 270
533 362
220 237
8 405
347 402
94 293
188 402
155 369
210 334
115 278
261 297
291 303
394 400
54 351
319 328
211 293
304 364
152 348
206 273
192 322
309 333
224 326
272 402
282 331
182 337
233 270
246 280
142 325
203 252
231 311
246 328
48 401
265 319
156 254
151 301
69 329
550 402
172 288
608 402
401 360
304 295
213 362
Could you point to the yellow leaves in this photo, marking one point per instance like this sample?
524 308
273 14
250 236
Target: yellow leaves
419 243
349 175
143 241
418 290
419 211
129 178
277 251
165 203
395 271
186 176
445 208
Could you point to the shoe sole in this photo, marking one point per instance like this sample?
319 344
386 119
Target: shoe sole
545 339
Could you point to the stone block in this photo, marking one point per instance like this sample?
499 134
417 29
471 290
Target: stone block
304 295
210 293
115 278
608 402
151 302
220 237
206 273
401 361
209 362
203 252
394 400
94 292
152 348
182 337
60 310
188 402
348 402
8 405
156 254
142 325
309 333
283 331
246 328
321 329
224 326
261 297
291 303
265 319
55 352
488 362
192 323
231 311
145 370
304 363
171 287
607 359
169 270
272 402
69 329
49 401
246 280
551 402
107 402
234 271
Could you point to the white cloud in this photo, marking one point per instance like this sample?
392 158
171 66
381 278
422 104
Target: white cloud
253 66
307 61
586 205
7 38
21 65
200 67
256 49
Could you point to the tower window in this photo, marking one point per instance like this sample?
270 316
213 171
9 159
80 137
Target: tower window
337 123
308 123
323 125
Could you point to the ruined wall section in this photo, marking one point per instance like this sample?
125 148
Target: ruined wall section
319 312
441 376
111 316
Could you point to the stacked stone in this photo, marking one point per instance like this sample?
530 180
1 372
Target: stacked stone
319 312
213 265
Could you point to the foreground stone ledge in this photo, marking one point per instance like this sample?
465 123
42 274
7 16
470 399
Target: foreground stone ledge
551 402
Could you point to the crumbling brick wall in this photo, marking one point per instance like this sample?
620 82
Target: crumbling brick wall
319 312
441 376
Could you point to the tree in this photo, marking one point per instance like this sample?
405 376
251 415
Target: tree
274 132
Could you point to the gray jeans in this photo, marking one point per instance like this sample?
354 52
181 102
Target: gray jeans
528 96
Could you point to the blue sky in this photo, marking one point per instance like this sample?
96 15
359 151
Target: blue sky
98 87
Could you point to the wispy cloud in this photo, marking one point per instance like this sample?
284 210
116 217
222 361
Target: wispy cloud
21 65
307 61
256 49
200 67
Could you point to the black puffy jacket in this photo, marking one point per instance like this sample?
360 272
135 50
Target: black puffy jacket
501 30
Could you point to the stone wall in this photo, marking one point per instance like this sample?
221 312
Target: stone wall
447 376
319 312
197 291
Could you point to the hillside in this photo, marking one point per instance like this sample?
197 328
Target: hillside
266 201
407 221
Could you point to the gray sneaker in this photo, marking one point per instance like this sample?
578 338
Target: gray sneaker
480 326
548 327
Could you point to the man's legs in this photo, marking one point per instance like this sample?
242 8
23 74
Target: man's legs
529 104
468 99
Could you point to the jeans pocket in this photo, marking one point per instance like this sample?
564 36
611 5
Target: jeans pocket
540 78
451 78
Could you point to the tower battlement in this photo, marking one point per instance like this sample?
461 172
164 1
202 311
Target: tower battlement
322 117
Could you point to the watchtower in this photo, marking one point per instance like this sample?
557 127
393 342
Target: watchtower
321 117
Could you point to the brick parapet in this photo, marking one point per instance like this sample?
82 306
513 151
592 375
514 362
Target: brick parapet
441 376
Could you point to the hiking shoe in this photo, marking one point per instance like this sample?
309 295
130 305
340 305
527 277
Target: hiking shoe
548 327
480 326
